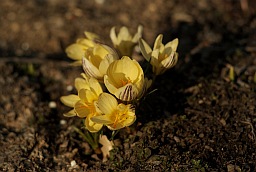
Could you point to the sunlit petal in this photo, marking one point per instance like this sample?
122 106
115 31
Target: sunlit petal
81 83
158 42
145 49
82 109
95 86
71 113
107 103
109 84
173 44
138 35
69 100
91 36
127 93
75 51
90 69
87 95
103 119
92 126
113 35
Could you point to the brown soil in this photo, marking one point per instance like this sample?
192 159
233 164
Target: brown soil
198 120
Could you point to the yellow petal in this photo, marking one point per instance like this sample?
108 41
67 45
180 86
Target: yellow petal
110 51
69 100
91 70
167 51
105 63
82 109
103 119
154 57
127 93
85 76
100 51
95 86
76 51
124 34
173 44
124 68
145 49
70 113
91 36
158 42
85 42
110 85
113 36
138 35
87 95
81 83
170 61
92 126
128 122
107 103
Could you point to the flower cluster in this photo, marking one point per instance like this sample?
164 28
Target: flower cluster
113 82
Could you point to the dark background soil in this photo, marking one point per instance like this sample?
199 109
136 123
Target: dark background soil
198 120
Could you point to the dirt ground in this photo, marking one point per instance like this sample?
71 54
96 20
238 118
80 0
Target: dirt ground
200 119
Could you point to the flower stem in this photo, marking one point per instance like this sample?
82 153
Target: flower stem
91 138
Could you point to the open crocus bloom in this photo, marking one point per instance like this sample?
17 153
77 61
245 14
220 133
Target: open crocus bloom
162 57
115 116
124 79
72 99
86 107
97 59
85 103
77 50
124 42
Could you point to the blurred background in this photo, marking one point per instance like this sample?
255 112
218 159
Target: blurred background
43 28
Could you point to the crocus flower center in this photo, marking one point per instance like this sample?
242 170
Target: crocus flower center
162 57
91 107
126 81
120 114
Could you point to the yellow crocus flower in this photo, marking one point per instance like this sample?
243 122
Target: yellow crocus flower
162 57
72 99
85 103
125 79
124 42
115 116
97 60
76 51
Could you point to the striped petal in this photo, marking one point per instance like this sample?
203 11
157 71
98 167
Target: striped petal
127 93
91 70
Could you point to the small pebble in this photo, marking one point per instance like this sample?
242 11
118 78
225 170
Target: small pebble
177 139
73 163
69 88
63 122
52 104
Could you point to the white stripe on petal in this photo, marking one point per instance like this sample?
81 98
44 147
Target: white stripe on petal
127 93
91 70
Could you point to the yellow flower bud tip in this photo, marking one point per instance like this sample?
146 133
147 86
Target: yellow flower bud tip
124 42
124 79
91 36
97 59
161 57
